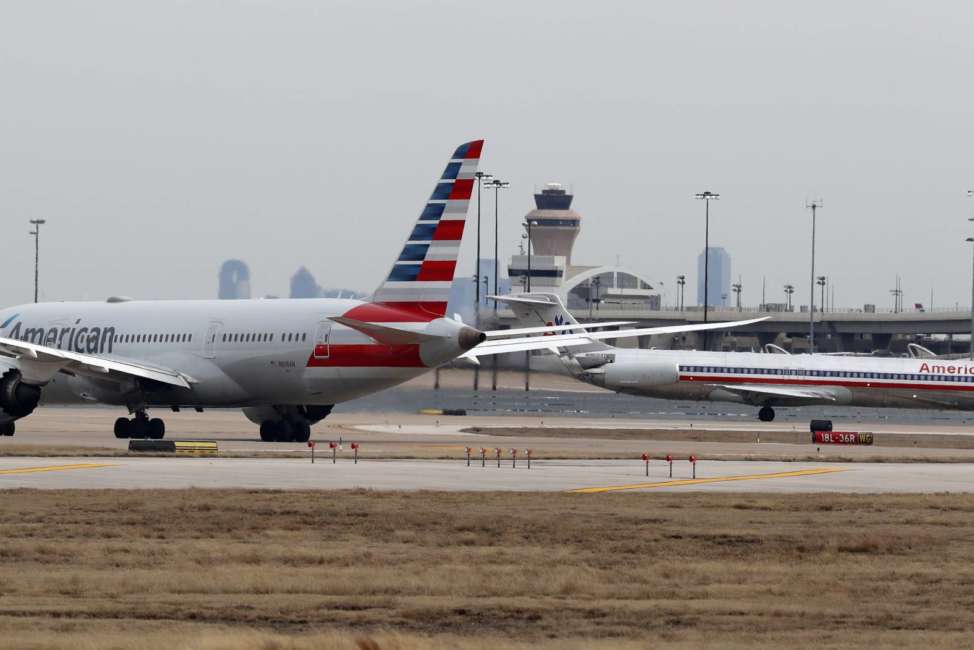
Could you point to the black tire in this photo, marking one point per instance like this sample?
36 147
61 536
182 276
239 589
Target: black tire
302 431
766 414
156 429
285 432
8 428
123 428
138 428
268 431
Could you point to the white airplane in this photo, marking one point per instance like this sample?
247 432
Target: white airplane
286 363
763 380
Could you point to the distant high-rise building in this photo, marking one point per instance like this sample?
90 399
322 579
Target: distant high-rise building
234 281
718 275
304 285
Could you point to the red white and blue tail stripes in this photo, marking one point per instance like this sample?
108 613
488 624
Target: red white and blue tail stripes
419 282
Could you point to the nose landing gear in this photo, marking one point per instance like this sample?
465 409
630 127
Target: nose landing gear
766 414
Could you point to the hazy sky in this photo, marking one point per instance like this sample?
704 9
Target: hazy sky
160 138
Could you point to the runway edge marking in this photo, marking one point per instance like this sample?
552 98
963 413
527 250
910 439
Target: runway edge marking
700 481
53 468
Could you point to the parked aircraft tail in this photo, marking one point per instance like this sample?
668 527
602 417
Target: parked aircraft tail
546 309
420 279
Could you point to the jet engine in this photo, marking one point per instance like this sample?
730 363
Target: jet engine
17 399
636 374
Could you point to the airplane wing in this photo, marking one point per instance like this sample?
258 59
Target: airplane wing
552 343
522 331
39 363
757 393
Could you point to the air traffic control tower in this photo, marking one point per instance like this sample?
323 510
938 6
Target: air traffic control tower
554 227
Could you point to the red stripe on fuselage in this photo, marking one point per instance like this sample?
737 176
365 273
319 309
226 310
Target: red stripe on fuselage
397 312
369 356
863 383
434 270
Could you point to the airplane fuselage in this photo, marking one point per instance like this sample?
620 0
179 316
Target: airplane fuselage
235 352
726 376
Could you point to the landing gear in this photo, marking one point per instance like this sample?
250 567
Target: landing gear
7 428
140 427
302 431
766 414
285 431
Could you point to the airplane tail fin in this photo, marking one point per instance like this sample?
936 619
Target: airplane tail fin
420 279
545 309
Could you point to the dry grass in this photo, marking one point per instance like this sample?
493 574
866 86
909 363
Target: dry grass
269 570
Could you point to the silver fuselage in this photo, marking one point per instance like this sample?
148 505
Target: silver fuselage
236 352
876 382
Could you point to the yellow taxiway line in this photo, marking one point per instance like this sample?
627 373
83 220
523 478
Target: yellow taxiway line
700 481
52 468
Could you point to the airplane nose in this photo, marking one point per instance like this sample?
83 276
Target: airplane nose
468 337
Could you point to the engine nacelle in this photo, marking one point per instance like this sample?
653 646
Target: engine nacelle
17 399
624 374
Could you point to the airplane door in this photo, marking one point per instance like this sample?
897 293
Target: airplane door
209 342
323 340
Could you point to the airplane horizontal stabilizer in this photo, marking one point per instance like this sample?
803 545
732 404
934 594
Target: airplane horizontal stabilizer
552 343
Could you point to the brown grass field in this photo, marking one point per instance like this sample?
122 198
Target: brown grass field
367 570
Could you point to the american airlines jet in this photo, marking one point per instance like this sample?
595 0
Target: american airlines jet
763 380
285 362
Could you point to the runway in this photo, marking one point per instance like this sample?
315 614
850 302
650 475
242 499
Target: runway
585 478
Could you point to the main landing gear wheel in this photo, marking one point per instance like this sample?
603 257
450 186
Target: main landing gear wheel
7 428
156 429
140 427
122 429
766 414
268 431
302 431
285 431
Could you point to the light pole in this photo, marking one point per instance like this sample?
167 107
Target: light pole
813 206
736 288
498 185
789 289
527 225
971 239
897 293
821 281
480 176
36 232
707 197
598 283
681 280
